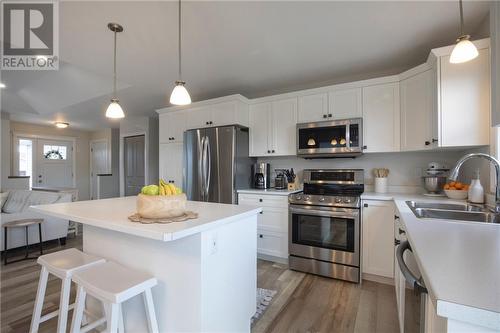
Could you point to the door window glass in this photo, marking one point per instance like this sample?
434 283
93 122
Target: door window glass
26 158
51 152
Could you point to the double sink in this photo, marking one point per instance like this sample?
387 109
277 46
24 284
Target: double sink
453 211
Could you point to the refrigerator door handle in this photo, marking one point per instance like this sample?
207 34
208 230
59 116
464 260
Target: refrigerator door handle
209 162
204 168
200 168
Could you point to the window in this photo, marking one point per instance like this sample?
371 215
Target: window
54 152
26 158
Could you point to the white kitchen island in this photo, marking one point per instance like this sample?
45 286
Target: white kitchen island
206 267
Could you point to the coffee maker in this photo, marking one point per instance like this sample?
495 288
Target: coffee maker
261 175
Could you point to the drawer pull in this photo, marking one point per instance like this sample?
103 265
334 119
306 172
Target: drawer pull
365 205
261 212
260 200
261 236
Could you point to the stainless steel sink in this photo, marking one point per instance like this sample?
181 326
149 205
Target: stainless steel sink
458 212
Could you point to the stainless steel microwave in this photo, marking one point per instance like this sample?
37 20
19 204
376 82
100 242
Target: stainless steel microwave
332 138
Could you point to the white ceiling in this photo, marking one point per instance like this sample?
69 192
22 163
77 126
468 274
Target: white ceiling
253 48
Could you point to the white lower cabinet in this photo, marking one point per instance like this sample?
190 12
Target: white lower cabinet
272 223
378 238
170 162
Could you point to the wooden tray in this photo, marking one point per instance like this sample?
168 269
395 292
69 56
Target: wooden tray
188 215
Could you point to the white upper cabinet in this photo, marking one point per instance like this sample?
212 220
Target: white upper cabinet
172 126
272 128
171 159
381 128
260 126
198 117
464 101
312 108
345 103
417 112
284 121
229 113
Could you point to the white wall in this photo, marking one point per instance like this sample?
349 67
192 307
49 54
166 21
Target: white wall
406 169
5 149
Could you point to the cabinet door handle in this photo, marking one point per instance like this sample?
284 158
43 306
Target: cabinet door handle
272 151
434 140
269 152
261 212
365 147
427 143
365 205
260 200
329 115
324 116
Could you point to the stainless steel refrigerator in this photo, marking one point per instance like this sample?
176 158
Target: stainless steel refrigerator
216 163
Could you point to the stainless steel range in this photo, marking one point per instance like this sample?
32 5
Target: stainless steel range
325 225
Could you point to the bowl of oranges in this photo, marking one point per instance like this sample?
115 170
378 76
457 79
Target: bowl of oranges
456 190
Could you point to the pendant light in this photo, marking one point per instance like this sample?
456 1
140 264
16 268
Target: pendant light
465 50
114 109
180 95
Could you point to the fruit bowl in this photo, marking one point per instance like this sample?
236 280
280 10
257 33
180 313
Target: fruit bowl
456 194
161 206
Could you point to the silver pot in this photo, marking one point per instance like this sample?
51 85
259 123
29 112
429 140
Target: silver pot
434 184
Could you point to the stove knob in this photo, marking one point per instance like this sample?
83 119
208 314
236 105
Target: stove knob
347 200
298 197
338 200
307 198
322 199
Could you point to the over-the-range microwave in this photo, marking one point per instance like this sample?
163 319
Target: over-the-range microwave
332 138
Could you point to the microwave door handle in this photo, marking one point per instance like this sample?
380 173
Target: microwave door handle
325 213
348 136
412 279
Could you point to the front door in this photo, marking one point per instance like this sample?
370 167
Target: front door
134 164
54 163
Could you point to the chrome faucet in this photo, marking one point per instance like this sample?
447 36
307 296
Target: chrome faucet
454 173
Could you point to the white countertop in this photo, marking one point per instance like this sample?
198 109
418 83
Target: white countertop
269 191
112 214
460 264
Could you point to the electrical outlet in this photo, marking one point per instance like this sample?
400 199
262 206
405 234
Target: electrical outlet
213 243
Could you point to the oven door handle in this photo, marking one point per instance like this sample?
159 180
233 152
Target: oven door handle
349 214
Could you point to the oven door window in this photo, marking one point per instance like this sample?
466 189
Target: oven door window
335 233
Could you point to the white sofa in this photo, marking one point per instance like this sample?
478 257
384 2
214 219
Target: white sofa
15 206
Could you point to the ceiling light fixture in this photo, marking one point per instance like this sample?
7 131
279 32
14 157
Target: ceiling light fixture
2 85
180 95
465 50
114 109
60 124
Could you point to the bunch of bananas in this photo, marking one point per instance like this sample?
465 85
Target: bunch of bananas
168 189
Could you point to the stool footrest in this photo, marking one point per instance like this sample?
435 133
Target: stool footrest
53 314
93 325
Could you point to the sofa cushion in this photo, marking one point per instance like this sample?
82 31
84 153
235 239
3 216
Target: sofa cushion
41 198
16 201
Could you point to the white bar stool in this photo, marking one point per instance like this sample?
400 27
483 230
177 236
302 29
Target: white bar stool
112 284
62 264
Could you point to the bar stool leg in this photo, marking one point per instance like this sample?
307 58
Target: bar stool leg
150 311
112 325
63 306
5 245
40 295
76 322
121 326
27 248
40 237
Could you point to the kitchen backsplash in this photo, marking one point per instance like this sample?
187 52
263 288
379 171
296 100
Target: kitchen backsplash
406 168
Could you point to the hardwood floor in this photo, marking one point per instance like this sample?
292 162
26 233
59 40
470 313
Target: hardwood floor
309 303
303 303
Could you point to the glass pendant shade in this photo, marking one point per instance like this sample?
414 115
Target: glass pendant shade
464 51
114 110
180 95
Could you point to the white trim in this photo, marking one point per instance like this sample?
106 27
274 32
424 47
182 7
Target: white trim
15 151
146 158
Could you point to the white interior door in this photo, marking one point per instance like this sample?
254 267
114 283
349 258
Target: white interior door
54 163
98 164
